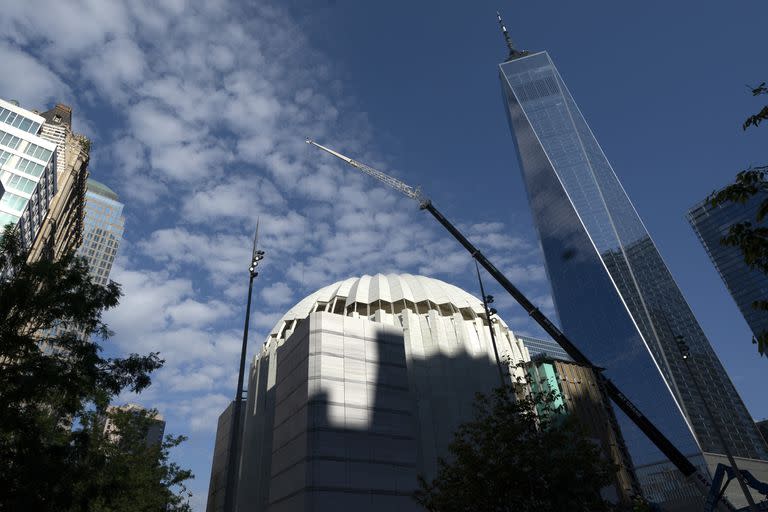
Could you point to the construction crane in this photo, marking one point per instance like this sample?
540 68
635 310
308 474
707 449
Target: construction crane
716 492
619 398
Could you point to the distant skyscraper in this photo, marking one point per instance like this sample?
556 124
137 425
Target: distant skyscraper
154 434
62 230
27 171
613 293
539 346
745 285
103 230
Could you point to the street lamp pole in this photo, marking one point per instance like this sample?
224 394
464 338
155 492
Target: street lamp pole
234 441
487 299
686 353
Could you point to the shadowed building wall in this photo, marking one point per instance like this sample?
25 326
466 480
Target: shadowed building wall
218 483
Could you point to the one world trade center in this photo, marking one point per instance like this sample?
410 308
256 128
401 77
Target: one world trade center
613 293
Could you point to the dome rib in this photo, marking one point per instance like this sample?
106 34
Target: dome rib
391 288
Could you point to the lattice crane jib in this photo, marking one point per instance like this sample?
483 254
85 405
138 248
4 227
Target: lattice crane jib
403 188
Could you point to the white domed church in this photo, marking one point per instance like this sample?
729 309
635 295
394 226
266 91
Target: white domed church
359 388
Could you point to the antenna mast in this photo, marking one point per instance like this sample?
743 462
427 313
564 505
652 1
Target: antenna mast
513 52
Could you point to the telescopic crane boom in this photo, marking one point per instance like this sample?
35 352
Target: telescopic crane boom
621 400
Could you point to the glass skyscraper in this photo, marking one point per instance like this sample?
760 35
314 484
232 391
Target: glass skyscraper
745 285
103 229
613 293
539 346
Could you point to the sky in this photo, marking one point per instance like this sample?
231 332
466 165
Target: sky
198 113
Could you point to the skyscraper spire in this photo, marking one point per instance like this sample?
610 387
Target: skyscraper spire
513 52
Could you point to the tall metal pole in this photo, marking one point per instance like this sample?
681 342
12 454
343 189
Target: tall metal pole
486 300
686 353
234 440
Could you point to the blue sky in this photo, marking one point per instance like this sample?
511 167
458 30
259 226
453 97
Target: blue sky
198 111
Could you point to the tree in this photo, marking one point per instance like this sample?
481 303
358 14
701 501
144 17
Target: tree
126 473
518 454
54 381
751 239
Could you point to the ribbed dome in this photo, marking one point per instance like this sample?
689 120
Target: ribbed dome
389 292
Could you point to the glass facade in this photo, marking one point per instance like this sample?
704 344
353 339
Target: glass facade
745 285
27 171
103 230
613 293
538 346
19 120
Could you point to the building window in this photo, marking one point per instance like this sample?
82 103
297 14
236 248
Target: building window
30 167
38 152
8 140
19 183
13 201
18 121
7 218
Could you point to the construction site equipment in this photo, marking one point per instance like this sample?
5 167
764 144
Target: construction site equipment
716 492
620 399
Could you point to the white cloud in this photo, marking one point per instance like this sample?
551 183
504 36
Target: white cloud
220 255
120 63
28 80
158 313
201 412
194 313
235 197
277 294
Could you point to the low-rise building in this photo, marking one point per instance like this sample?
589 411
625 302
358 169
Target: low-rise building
577 391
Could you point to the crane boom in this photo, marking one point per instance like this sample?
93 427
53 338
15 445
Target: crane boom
403 188
620 399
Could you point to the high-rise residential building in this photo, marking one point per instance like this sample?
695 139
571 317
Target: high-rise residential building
27 171
577 391
359 388
745 285
62 229
155 430
613 293
103 231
